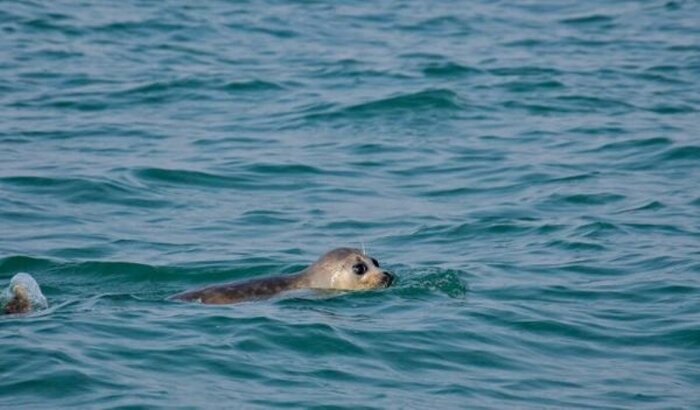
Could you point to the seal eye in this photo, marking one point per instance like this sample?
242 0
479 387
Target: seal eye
359 269
374 261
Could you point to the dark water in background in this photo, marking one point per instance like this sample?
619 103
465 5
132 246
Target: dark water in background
530 170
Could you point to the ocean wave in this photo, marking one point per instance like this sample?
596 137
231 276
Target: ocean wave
84 190
416 103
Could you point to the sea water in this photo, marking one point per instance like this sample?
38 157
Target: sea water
530 171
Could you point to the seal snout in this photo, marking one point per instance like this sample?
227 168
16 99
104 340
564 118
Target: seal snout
388 279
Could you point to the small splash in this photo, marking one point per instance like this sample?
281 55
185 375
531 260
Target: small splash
22 295
448 282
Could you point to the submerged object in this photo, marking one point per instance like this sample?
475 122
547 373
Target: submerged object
22 295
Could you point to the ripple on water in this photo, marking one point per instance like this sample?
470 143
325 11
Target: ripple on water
84 190
189 177
439 101
450 70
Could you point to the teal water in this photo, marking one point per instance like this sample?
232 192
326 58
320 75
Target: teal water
529 170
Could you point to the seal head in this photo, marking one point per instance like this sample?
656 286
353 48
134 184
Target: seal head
346 269
23 295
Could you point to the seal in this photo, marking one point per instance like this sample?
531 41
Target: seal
339 269
23 295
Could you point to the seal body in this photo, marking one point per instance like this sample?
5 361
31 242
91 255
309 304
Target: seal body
238 292
339 269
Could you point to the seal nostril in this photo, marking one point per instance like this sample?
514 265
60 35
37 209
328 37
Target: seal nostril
388 278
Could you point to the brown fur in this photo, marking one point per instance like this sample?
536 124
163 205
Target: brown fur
20 303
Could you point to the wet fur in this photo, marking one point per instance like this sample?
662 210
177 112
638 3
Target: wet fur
239 292
20 303
332 271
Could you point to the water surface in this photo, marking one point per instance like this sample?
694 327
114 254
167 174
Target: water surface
529 170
